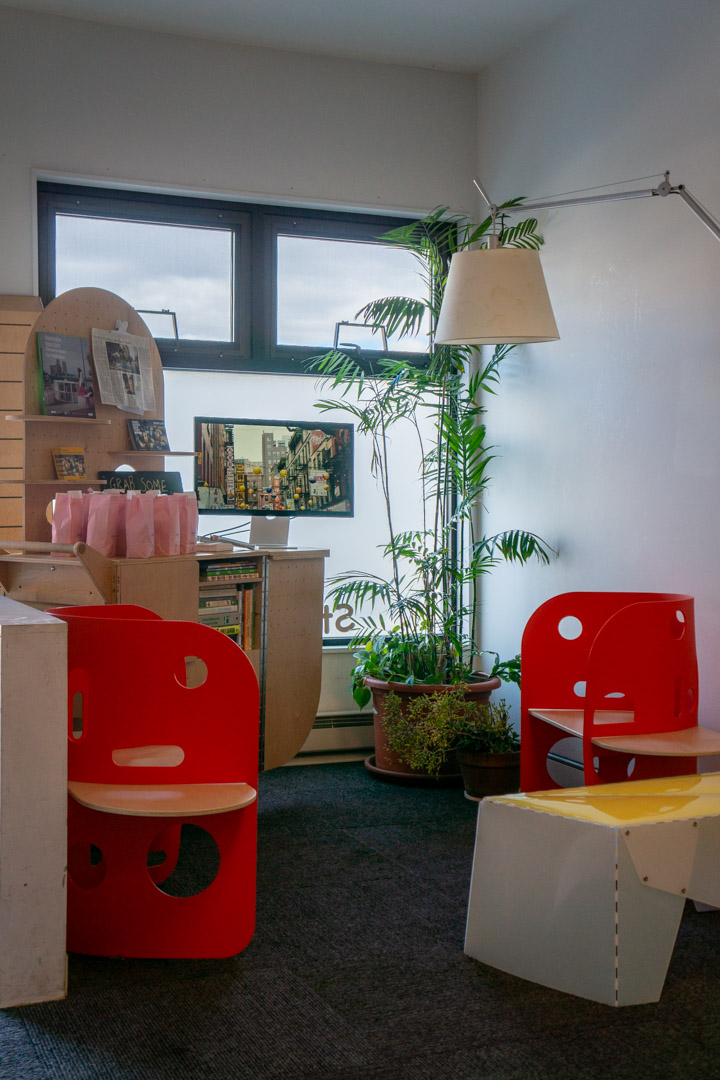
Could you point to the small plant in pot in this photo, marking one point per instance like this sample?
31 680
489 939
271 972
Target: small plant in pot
433 734
416 623
488 750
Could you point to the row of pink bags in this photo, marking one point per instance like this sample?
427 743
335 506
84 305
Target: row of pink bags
131 525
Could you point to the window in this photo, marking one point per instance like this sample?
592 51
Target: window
254 290
226 286
187 271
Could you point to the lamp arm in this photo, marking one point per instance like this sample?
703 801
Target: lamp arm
695 206
662 189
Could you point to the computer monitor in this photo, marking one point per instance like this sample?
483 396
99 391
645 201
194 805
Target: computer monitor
273 467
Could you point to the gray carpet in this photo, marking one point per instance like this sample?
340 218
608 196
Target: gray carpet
357 971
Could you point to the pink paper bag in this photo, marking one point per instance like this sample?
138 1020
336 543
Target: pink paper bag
67 522
188 512
102 524
139 526
167 525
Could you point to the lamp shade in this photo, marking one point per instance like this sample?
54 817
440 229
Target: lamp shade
495 296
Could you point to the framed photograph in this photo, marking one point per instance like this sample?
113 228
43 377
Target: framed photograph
69 462
148 435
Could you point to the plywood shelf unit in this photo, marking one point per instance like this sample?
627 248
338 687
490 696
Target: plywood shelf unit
17 315
151 453
105 437
77 482
26 419
285 645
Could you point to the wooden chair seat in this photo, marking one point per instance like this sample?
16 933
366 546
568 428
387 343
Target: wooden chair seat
163 800
688 742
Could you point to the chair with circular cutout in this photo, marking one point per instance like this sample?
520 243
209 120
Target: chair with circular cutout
157 752
619 671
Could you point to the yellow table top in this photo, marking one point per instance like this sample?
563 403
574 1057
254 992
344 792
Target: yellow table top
632 802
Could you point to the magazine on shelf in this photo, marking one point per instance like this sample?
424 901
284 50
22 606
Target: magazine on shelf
148 435
123 368
66 383
69 462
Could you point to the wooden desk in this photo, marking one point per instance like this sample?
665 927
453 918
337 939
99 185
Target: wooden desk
286 645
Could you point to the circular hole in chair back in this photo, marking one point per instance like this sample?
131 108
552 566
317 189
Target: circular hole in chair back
570 627
86 865
198 862
192 673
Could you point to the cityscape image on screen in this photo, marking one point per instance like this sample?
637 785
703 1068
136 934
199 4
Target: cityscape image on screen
273 467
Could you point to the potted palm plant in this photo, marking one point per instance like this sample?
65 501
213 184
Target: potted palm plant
416 625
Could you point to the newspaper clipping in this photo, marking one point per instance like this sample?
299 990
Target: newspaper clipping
123 368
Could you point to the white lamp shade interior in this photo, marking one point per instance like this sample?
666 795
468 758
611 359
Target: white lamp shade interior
495 296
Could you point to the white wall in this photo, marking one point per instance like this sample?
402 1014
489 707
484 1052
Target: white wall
610 439
155 109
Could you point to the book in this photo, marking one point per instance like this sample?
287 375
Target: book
219 619
69 462
148 435
66 382
248 638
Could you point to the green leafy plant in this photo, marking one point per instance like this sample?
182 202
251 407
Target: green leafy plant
418 623
487 729
431 726
422 735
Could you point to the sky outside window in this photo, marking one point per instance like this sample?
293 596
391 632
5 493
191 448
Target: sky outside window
322 282
188 270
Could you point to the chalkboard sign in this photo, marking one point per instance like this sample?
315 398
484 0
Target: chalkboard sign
165 482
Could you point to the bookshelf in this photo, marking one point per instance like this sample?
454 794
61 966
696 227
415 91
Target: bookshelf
276 597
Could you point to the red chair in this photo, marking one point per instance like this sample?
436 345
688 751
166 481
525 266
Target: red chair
619 671
163 734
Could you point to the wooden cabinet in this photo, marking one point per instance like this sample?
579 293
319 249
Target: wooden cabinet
281 589
278 612
60 575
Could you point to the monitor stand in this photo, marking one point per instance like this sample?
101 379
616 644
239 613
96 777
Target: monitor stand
267 532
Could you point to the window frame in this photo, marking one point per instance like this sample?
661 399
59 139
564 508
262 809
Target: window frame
255 228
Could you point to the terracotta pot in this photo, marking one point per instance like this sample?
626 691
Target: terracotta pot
489 774
385 760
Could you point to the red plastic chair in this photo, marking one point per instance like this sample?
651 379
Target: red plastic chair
619 671
154 754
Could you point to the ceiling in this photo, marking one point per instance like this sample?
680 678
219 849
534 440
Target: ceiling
451 35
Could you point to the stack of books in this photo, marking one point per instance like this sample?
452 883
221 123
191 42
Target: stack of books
231 611
230 570
219 607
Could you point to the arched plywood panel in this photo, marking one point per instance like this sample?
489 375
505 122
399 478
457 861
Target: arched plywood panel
104 439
